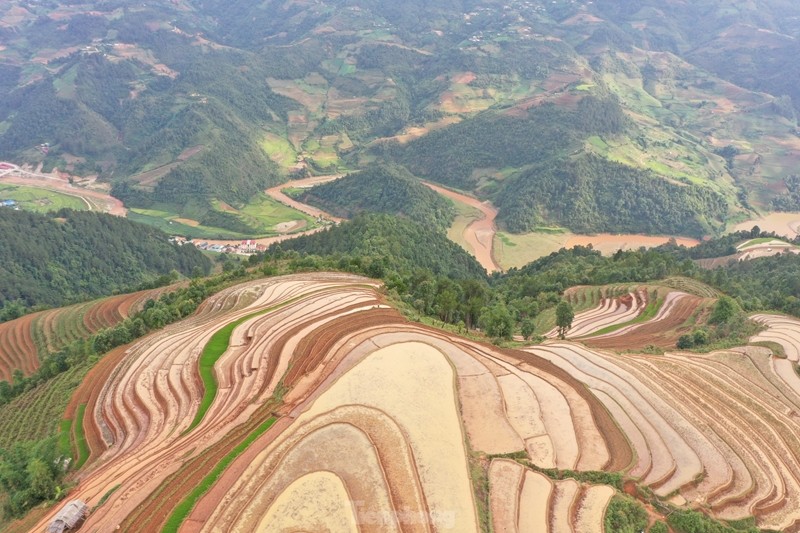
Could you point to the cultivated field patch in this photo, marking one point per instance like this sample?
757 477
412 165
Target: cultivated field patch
316 371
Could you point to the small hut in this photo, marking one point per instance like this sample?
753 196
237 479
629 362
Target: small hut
68 517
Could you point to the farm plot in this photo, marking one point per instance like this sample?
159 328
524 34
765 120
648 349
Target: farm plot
349 371
720 430
327 410
24 340
149 397
391 383
611 311
93 200
782 330
663 329
786 224
41 200
785 332
17 347
523 500
36 413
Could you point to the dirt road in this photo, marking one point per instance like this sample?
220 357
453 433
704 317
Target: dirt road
277 194
480 234
95 200
786 224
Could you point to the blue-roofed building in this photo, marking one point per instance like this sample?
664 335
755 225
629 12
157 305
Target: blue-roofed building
8 203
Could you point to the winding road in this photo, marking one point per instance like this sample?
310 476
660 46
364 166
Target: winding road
276 193
479 235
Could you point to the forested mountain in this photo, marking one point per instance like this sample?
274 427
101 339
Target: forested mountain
382 189
185 104
389 243
459 155
589 194
584 193
68 256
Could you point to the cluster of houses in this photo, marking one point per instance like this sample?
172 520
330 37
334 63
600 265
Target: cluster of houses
9 203
246 247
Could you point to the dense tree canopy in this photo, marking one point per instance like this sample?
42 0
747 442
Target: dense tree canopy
392 244
383 189
591 194
70 255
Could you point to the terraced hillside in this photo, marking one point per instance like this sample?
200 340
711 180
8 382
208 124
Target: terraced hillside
610 311
720 430
676 313
633 317
25 340
785 332
285 400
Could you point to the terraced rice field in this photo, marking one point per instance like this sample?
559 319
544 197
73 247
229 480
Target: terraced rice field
785 332
525 500
350 374
721 430
36 413
632 320
673 318
610 311
329 411
24 340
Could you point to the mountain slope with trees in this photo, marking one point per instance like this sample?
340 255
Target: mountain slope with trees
382 189
69 256
589 194
388 243
183 105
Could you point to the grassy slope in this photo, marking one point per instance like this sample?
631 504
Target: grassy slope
81 445
517 250
261 213
183 509
40 200
212 351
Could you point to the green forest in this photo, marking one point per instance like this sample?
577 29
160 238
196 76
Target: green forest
439 279
382 189
174 114
584 193
69 256
590 194
491 140
382 243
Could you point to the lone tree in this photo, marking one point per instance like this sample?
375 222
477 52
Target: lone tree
497 321
724 309
564 316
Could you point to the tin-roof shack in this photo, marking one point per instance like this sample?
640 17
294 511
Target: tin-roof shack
68 517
